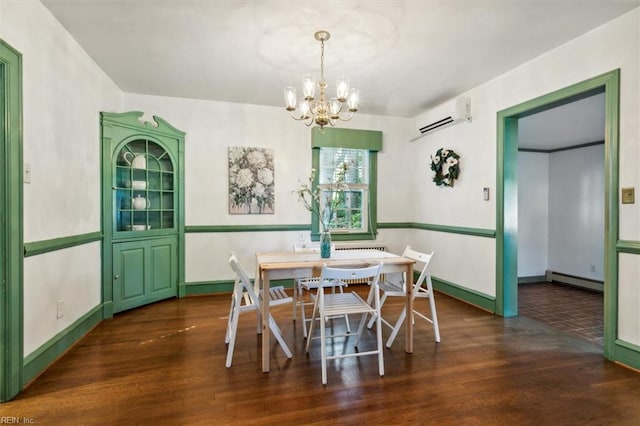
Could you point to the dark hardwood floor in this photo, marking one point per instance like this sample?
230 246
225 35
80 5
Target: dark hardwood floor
164 364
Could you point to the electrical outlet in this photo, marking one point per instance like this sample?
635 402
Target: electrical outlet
60 312
301 237
592 268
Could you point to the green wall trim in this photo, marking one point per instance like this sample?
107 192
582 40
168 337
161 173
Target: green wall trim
201 288
627 246
627 353
346 138
476 232
11 222
373 202
132 121
472 297
361 236
46 246
245 228
395 225
37 361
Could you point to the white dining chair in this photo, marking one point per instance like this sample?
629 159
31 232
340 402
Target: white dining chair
310 285
334 305
422 289
243 299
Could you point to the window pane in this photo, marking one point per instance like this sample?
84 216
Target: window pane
332 158
348 219
355 199
349 211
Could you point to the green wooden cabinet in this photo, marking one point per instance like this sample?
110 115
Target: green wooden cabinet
143 211
144 271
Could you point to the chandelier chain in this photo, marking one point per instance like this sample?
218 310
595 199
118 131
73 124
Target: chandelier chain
315 108
322 61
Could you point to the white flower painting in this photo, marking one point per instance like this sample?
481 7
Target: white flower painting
251 183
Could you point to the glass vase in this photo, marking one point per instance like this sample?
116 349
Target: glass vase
325 244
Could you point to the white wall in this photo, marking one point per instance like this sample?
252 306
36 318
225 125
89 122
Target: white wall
576 212
561 213
212 127
611 46
71 276
63 93
533 214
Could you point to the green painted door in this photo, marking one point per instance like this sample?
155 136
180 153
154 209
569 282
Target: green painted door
144 272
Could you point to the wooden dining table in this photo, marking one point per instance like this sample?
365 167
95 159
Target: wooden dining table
290 265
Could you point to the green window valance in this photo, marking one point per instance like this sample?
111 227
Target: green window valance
346 138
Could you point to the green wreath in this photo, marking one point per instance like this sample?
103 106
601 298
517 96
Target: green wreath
445 160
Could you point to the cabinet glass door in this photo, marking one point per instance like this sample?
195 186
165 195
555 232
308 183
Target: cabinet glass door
143 188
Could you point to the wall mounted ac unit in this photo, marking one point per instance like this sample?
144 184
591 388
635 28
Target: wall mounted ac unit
453 112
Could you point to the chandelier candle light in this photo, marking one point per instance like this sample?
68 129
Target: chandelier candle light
321 111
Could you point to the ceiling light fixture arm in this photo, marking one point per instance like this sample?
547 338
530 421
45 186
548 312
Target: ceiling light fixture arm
320 111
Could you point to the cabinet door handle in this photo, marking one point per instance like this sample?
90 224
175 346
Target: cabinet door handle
115 277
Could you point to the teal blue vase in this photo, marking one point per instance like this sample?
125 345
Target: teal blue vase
325 245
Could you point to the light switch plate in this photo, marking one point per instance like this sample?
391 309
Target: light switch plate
485 194
628 195
27 173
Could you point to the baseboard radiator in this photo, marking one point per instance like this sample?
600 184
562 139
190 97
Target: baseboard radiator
373 245
362 245
587 283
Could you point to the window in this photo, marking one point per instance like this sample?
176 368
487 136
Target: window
354 217
351 211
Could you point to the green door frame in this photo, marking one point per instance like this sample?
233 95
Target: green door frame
11 223
507 195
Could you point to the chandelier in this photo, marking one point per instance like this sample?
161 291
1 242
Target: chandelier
321 111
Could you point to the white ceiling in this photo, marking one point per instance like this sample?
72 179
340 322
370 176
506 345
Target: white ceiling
404 56
577 123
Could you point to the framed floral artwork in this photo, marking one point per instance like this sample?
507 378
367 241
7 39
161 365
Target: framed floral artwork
251 180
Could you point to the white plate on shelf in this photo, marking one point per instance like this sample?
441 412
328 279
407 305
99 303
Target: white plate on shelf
136 184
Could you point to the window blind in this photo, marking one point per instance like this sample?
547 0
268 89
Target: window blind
332 158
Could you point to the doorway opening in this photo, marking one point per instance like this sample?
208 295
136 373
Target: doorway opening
561 217
507 194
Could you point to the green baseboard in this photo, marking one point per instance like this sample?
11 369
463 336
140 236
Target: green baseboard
201 288
627 354
471 297
40 359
